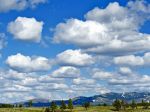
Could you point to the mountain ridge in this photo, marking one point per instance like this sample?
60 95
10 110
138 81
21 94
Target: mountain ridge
107 98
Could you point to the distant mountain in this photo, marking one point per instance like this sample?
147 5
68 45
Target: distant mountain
107 98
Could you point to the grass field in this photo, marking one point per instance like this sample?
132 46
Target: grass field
76 109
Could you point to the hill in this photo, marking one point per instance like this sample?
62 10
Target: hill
107 98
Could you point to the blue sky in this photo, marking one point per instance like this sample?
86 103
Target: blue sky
62 49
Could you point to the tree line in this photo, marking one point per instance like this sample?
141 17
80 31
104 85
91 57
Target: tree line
122 105
117 104
53 107
6 106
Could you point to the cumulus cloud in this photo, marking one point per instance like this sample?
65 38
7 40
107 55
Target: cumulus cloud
28 64
7 5
125 70
118 47
93 33
108 37
129 60
132 60
83 89
27 29
32 85
74 58
83 81
66 72
113 30
132 81
123 79
49 79
102 75
114 17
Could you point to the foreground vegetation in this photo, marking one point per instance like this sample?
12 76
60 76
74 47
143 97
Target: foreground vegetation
117 106
76 109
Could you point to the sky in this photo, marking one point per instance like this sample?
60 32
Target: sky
60 49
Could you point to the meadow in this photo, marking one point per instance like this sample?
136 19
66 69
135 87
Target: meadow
76 109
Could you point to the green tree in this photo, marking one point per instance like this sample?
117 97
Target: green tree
70 104
133 104
20 105
86 105
104 104
47 110
123 105
117 104
145 104
53 106
63 105
30 103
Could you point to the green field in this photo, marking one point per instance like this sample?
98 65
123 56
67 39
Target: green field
76 109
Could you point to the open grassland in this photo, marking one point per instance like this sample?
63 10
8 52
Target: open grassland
76 109
22 109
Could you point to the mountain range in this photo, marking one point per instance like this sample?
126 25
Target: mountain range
107 98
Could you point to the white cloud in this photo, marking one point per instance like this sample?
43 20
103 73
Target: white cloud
112 37
83 89
74 58
83 81
117 30
114 16
14 75
27 63
139 6
129 60
28 84
51 87
120 47
132 81
66 72
7 5
132 60
125 70
27 29
102 75
49 79
82 33
125 78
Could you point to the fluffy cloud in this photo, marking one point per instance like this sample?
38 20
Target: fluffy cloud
139 6
52 87
108 37
27 29
124 79
129 60
83 89
93 33
7 5
133 60
117 30
83 81
132 81
32 85
66 72
125 70
119 47
74 58
115 17
102 75
49 79
27 63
